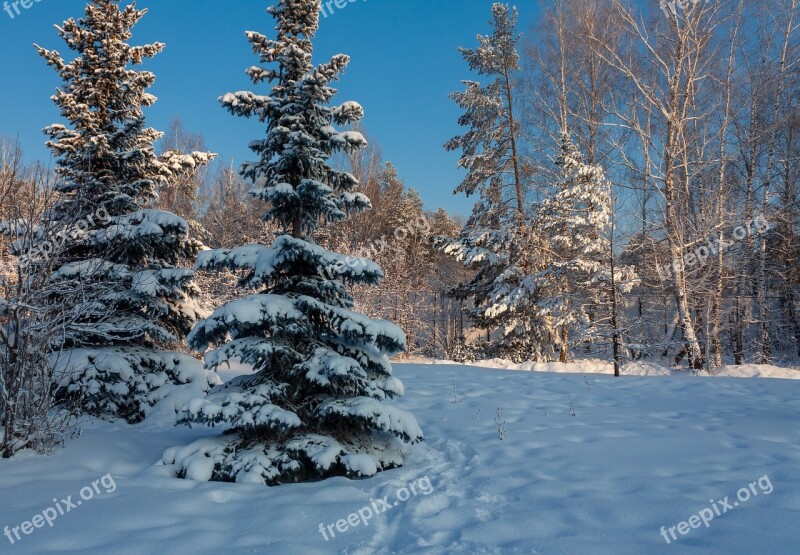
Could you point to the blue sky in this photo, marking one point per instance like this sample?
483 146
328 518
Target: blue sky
405 62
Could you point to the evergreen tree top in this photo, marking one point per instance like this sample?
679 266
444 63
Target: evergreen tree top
106 145
489 145
497 53
292 169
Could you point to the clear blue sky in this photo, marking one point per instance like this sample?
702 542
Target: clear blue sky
405 62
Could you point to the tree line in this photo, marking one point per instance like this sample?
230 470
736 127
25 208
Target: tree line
689 250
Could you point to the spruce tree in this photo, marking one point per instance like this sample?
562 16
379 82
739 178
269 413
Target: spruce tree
576 285
314 406
136 301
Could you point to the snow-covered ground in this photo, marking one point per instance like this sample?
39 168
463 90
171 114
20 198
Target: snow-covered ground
589 464
594 366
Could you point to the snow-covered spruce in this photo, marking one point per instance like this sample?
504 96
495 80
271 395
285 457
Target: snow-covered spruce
136 301
314 406
574 288
113 381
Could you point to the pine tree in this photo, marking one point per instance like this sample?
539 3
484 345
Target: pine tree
490 149
504 297
313 406
136 302
496 241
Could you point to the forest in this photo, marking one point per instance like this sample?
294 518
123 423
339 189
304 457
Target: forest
633 169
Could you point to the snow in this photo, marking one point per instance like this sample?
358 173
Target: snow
143 223
325 364
639 368
348 111
266 261
758 371
381 416
184 164
245 98
362 464
249 311
353 138
640 453
240 257
358 329
157 382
